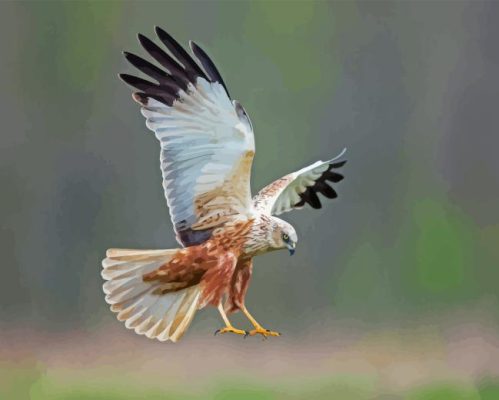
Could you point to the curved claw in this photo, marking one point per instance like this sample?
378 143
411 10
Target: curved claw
231 329
264 332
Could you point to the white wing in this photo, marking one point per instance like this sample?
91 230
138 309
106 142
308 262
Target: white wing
207 142
294 190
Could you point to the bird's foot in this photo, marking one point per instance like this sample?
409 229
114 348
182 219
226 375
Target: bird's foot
231 329
264 332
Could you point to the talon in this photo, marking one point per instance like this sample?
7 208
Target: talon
246 333
230 329
264 332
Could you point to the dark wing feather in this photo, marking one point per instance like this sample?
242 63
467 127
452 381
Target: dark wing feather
180 71
310 196
149 69
180 54
321 186
300 188
161 93
326 190
140 83
177 72
208 65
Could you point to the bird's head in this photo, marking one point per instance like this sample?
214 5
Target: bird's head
284 236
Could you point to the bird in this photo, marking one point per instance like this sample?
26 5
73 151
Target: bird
207 147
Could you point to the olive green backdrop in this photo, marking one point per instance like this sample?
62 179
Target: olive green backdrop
411 245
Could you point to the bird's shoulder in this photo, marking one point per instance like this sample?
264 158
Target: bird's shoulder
231 236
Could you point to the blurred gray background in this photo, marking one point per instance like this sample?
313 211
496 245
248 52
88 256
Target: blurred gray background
410 88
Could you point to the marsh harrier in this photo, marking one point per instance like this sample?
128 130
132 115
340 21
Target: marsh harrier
207 148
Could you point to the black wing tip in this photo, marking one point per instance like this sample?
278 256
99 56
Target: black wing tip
165 37
193 45
333 176
137 83
129 54
134 80
179 52
208 65
140 98
132 58
162 34
125 77
310 195
198 52
334 163
179 71
148 90
325 189
338 164
145 42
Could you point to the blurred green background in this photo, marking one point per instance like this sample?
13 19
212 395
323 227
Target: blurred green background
393 292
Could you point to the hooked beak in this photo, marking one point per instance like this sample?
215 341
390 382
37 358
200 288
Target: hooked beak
291 247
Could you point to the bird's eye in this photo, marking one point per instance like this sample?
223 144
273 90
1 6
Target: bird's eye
285 237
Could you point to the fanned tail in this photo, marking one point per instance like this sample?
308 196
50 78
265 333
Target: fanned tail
144 306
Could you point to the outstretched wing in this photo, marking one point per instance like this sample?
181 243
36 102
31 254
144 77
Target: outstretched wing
207 142
294 190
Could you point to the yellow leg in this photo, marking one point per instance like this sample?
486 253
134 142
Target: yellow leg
259 330
228 326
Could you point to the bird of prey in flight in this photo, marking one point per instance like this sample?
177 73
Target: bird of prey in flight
207 148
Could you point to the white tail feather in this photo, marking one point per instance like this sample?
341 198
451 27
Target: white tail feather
138 303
